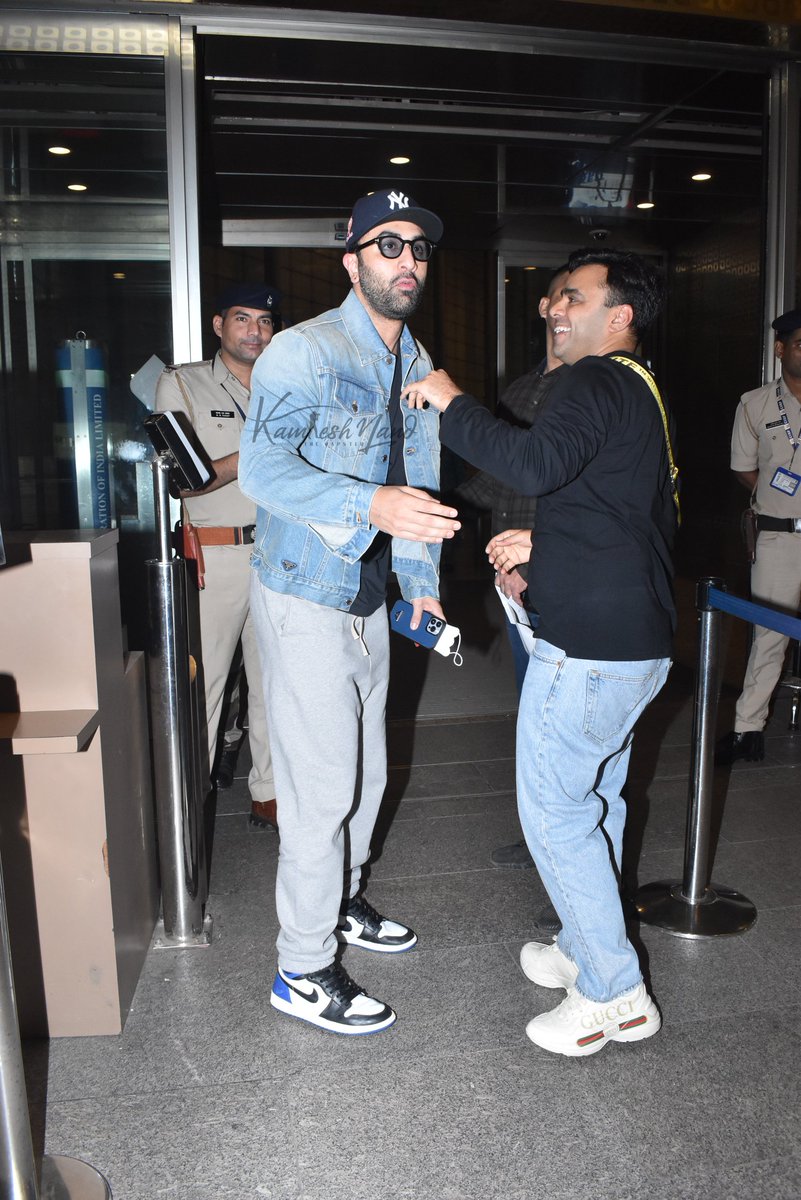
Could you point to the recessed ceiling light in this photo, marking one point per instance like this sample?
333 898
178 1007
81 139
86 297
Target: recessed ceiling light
702 177
58 150
646 204
529 268
118 275
400 160
76 187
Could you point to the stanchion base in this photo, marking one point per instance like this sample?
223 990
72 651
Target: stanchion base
721 912
193 941
71 1179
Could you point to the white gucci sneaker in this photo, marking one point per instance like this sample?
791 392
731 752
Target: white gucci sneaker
579 1026
545 964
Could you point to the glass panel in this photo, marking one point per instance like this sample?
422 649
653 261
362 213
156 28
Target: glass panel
85 288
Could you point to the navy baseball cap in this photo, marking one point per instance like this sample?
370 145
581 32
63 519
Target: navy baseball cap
249 295
379 207
788 322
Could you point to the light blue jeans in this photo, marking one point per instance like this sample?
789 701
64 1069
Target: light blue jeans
574 733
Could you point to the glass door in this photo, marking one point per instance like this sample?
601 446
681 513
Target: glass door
85 286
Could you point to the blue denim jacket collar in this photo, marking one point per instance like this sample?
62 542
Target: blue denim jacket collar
366 338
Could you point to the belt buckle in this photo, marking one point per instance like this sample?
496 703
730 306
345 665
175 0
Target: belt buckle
796 524
249 533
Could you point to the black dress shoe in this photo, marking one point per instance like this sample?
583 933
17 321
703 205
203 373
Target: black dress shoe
515 856
548 920
226 769
749 745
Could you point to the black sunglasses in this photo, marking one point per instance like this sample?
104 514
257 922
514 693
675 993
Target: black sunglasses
391 246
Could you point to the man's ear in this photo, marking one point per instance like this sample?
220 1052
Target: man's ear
217 324
622 318
543 306
351 264
778 349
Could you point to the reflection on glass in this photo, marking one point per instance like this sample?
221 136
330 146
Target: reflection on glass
85 289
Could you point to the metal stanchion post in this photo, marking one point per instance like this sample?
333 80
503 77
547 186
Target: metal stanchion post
176 766
61 1178
693 907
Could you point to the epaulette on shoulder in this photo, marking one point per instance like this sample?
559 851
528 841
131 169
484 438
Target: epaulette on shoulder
187 366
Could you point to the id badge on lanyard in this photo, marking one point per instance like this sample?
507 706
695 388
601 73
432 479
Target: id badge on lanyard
784 480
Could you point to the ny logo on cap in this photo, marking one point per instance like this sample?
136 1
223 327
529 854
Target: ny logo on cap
398 200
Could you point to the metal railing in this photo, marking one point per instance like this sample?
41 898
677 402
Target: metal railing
177 771
693 906
57 1177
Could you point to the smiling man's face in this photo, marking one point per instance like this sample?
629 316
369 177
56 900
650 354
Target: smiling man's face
580 321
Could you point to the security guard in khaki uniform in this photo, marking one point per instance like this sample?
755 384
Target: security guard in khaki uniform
215 396
766 458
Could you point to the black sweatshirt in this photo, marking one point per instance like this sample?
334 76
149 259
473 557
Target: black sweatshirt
600 569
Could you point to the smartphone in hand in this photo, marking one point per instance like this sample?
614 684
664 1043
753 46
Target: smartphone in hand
428 631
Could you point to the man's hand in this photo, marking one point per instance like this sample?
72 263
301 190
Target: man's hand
225 471
509 549
424 604
411 513
437 389
512 584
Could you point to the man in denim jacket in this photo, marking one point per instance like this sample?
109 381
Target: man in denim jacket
343 479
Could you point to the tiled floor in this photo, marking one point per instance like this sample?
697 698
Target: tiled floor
209 1094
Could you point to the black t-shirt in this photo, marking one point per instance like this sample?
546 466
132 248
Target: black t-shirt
377 559
600 569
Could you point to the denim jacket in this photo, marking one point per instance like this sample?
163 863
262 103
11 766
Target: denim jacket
315 450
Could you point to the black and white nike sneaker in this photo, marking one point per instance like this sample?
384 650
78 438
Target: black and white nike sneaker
362 926
331 1000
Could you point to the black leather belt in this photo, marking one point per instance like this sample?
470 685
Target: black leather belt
779 524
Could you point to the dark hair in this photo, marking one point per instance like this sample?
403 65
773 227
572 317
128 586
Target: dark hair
630 279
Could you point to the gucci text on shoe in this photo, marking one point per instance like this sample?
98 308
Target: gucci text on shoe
579 1026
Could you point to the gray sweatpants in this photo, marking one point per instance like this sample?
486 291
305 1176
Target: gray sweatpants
325 681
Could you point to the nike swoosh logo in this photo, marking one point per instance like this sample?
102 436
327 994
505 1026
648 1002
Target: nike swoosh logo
311 996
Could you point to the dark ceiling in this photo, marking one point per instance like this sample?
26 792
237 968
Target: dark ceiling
500 142
506 145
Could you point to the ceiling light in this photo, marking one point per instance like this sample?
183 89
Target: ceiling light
529 268
400 160
58 150
76 187
702 177
646 204
118 275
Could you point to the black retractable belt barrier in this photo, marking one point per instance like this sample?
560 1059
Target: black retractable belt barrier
61 1178
693 907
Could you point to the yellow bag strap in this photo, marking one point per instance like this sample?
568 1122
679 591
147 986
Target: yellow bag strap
649 379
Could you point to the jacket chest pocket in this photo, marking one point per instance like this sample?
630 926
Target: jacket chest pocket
353 426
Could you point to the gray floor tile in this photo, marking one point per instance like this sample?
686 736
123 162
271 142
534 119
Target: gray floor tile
422 843
211 1143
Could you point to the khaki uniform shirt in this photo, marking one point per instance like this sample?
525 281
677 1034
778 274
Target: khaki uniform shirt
759 442
216 403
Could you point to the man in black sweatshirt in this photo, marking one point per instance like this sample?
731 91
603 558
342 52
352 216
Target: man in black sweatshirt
600 461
